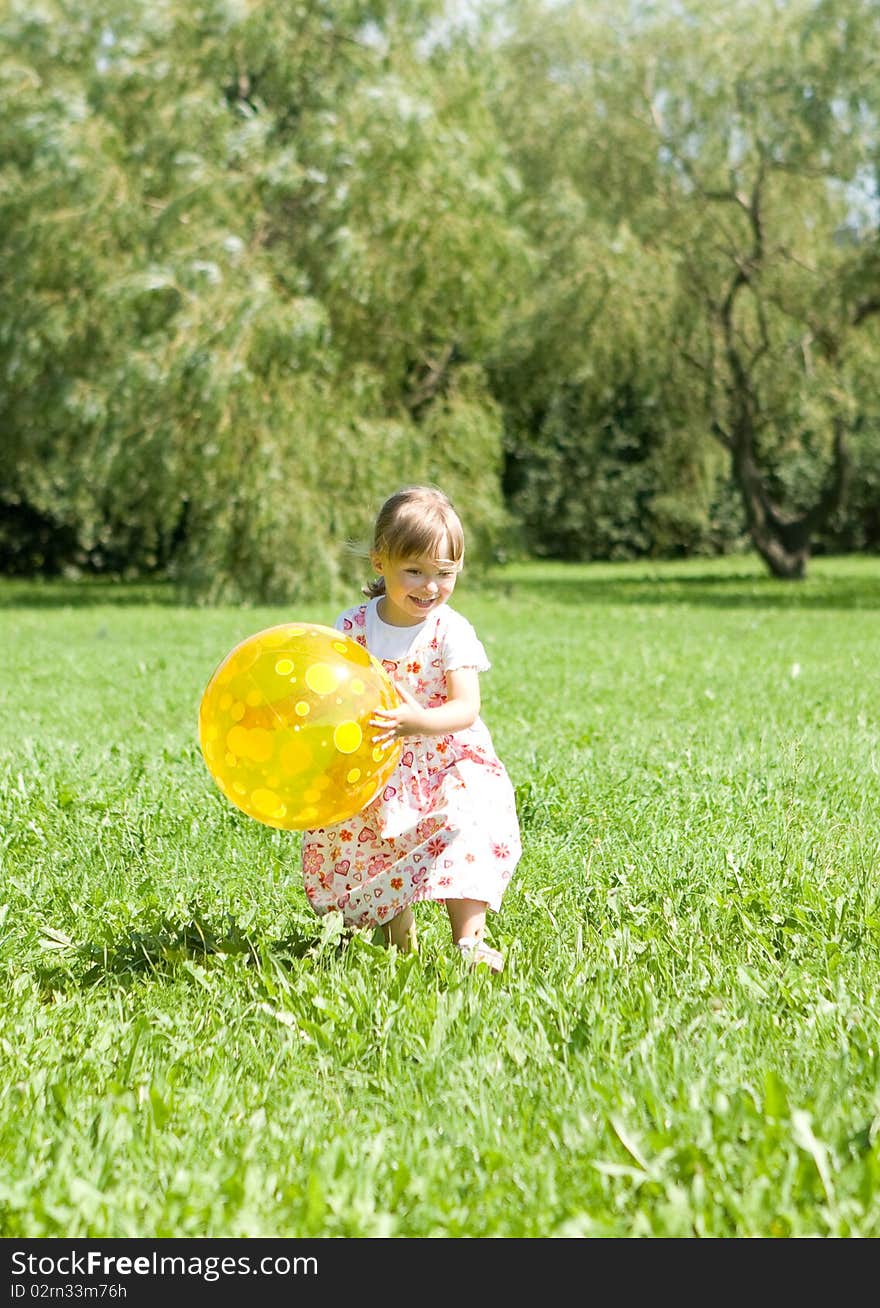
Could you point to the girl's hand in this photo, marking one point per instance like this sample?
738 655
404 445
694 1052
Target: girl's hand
408 719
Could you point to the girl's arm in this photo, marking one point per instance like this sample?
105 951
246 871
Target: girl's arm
461 710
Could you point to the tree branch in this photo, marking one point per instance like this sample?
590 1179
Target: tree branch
865 310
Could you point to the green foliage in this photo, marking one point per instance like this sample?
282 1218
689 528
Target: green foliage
858 529
606 453
698 217
184 387
418 270
263 264
606 479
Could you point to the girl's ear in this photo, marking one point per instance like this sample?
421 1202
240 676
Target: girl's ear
376 562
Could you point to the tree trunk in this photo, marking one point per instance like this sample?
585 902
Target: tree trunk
785 542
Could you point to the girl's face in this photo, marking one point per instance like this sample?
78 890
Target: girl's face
414 587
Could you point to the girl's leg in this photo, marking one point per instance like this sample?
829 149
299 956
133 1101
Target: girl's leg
401 931
467 917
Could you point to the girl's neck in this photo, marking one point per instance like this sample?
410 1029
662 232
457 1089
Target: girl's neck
382 610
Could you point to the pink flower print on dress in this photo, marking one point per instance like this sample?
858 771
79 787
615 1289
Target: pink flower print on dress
427 827
435 847
345 834
361 616
311 859
414 667
379 863
500 851
397 883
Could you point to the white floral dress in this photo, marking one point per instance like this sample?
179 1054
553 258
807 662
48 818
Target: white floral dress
445 825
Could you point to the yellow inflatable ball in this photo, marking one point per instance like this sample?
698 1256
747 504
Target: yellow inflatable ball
284 726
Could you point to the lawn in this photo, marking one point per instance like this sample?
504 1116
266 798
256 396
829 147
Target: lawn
684 1041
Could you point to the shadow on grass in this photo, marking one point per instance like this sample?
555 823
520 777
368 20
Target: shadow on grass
832 587
160 950
86 592
709 590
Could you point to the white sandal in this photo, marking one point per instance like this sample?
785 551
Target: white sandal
476 952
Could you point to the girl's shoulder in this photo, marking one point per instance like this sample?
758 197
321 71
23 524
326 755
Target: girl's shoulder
352 620
459 641
453 622
450 620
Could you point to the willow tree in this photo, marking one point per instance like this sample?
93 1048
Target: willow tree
764 127
739 145
251 256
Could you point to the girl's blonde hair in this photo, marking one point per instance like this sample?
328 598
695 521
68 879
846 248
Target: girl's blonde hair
414 522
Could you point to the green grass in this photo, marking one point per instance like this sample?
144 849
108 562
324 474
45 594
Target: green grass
684 1042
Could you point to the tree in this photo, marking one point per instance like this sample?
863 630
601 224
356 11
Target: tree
235 317
733 144
762 137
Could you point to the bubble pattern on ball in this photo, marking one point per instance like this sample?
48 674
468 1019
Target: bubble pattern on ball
284 726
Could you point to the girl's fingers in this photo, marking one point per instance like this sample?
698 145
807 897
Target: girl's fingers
385 726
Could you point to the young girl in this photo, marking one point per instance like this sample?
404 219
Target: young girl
445 825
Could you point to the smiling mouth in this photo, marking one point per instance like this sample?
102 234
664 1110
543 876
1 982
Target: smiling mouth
422 603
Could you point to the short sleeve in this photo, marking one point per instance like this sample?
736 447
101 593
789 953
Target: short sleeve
461 647
352 621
